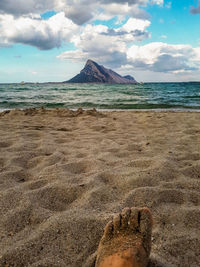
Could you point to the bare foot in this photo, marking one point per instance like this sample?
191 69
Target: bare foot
127 240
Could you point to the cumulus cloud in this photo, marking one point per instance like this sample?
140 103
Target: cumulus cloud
43 34
20 21
121 11
79 15
106 45
136 24
79 11
21 7
162 57
95 43
153 57
133 30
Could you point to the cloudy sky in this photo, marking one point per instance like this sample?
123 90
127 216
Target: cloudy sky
50 40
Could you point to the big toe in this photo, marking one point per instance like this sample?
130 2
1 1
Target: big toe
108 232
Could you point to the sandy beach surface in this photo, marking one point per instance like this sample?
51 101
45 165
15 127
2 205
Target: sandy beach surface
64 174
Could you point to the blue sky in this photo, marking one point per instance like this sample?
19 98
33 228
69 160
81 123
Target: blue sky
153 40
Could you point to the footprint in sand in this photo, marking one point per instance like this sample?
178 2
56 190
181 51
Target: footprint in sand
17 176
80 167
61 140
192 171
21 159
34 162
192 132
81 155
107 178
2 163
32 134
113 150
37 184
57 198
134 147
111 179
49 160
100 197
154 197
5 144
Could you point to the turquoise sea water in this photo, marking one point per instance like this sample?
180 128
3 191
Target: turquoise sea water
101 96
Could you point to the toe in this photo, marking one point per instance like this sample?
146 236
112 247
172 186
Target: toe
108 231
134 220
125 218
145 221
117 223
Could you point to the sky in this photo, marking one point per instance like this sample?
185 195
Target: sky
50 40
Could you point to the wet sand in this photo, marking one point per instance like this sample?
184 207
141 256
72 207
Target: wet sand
64 174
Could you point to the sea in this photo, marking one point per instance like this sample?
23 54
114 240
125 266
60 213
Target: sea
147 96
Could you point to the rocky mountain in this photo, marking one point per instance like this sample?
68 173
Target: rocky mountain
94 73
129 77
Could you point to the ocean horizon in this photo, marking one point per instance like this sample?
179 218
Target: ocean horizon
147 96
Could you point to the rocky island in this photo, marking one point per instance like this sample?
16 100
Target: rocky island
94 73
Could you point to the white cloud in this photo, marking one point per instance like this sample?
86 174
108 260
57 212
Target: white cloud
106 45
21 7
43 34
79 11
121 10
96 42
136 25
157 57
162 57
20 22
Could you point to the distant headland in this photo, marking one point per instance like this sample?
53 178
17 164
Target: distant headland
94 73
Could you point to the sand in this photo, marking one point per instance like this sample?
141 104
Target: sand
64 174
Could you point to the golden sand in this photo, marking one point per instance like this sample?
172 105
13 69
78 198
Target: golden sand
64 174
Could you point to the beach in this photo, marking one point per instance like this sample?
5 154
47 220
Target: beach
64 174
